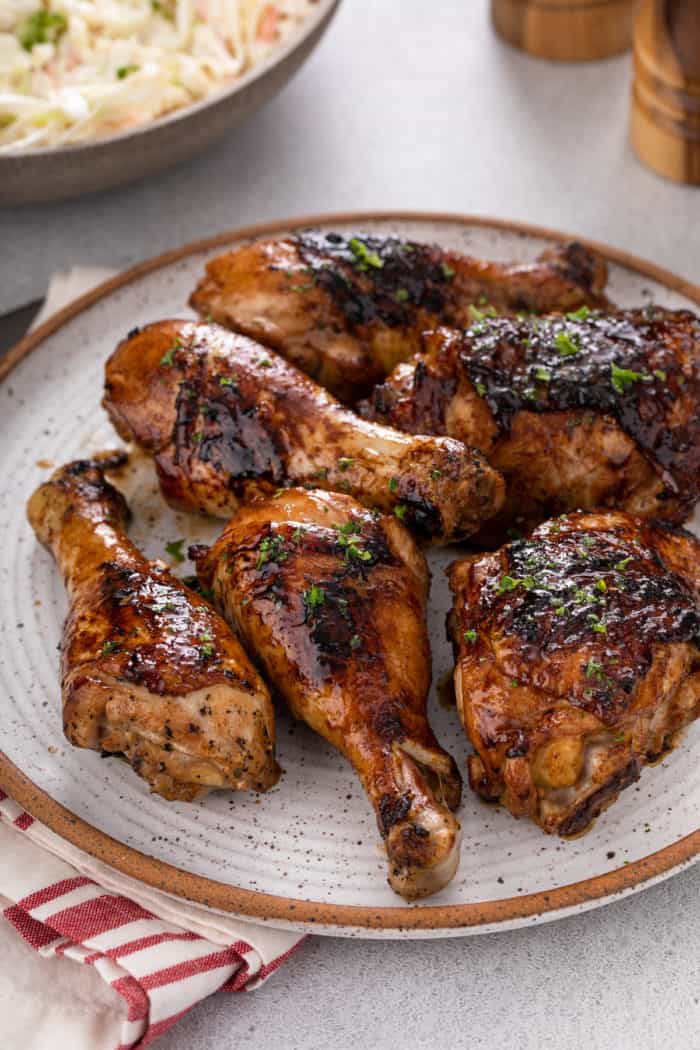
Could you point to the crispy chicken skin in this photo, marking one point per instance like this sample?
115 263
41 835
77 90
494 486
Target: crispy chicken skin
582 411
228 421
348 309
332 600
577 661
148 668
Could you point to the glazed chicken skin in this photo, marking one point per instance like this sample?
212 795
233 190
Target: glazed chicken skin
347 309
585 410
577 661
228 421
148 668
332 600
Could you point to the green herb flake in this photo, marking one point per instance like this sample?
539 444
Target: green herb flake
660 374
401 295
364 256
480 388
599 628
393 484
109 647
206 650
511 583
593 669
174 549
623 378
620 736
271 549
43 27
231 380
566 344
543 374
197 437
400 511
470 635
620 566
355 642
168 357
436 474
601 585
582 314
447 271
265 362
125 71
345 462
313 597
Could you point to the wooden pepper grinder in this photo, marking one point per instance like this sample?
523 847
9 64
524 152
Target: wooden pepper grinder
665 117
566 30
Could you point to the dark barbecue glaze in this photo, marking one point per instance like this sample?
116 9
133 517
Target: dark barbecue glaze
227 421
332 599
346 309
148 668
578 660
582 410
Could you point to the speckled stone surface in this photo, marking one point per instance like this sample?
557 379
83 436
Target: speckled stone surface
621 978
417 105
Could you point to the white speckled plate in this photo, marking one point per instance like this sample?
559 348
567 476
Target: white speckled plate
307 853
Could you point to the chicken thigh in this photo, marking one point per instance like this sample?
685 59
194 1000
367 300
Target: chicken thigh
228 421
578 411
347 309
332 599
578 661
148 668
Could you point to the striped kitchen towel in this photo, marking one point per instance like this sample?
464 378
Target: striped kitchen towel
105 961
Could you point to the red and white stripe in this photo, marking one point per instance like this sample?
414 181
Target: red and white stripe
159 969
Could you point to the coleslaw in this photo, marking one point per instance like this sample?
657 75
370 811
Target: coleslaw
72 70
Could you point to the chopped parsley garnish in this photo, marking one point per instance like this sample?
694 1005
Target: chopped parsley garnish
435 474
364 256
582 314
348 539
511 583
393 484
543 374
207 649
400 511
174 549
271 549
660 374
43 27
470 635
566 345
623 378
481 315
168 357
297 534
593 669
401 295
265 362
620 566
228 380
601 585
125 71
599 627
344 462
355 642
447 271
480 388
313 597
620 735
197 437
109 647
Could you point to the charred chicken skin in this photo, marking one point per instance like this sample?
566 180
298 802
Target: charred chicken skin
579 411
148 668
332 599
347 309
577 661
228 421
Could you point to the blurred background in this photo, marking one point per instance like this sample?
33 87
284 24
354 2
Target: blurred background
410 105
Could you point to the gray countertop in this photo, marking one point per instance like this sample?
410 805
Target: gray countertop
417 106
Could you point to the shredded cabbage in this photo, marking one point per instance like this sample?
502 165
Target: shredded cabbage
72 70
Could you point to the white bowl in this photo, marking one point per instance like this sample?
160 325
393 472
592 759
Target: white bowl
41 175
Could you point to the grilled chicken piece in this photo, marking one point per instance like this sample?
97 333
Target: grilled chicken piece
577 661
588 410
148 668
332 599
348 309
227 421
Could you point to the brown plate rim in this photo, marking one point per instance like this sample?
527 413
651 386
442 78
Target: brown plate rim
251 903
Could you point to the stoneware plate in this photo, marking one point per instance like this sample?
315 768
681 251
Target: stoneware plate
41 175
305 855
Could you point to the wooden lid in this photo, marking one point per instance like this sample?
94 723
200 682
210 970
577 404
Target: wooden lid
566 30
665 114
